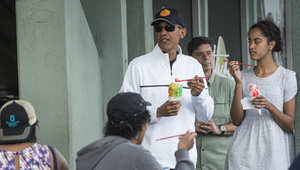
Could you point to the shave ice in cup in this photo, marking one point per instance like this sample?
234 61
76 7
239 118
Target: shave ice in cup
175 92
254 91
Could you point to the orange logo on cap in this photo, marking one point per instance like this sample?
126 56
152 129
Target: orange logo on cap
165 13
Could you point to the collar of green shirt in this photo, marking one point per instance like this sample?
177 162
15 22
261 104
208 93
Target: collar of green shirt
211 79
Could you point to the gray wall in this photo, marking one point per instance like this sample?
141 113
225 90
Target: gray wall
107 21
139 31
83 67
42 67
59 72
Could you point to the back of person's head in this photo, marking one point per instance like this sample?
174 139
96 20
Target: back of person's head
127 113
18 122
196 42
271 31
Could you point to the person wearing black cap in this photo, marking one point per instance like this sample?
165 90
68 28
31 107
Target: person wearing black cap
151 74
18 146
120 149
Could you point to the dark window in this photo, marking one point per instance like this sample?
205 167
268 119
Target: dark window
8 51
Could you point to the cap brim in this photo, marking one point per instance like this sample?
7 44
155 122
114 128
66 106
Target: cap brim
148 103
161 19
21 136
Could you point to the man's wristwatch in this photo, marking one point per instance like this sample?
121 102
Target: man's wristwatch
223 129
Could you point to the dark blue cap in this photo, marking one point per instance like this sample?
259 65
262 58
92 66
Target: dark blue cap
169 15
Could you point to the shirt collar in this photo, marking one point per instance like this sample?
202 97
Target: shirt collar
211 79
158 51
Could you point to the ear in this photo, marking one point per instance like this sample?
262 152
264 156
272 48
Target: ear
272 44
183 33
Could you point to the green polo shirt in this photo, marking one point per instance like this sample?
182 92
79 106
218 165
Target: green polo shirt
212 149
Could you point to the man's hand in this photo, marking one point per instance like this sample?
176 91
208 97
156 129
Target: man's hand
207 127
186 141
169 108
197 85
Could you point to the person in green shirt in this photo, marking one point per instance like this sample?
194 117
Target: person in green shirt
215 135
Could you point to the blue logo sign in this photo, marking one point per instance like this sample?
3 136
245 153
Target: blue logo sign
12 121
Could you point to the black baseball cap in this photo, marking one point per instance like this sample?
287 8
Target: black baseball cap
169 15
17 119
128 102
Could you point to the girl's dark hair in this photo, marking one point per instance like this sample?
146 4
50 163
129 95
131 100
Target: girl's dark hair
126 125
271 31
196 42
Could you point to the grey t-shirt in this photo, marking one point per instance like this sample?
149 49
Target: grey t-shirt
117 153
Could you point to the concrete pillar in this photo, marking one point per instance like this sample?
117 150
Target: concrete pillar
60 73
108 24
139 31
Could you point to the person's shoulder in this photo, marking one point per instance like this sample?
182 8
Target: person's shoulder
224 79
190 59
287 72
140 60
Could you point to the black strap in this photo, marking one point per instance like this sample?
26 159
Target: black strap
54 157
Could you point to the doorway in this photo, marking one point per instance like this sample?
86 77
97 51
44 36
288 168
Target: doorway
8 51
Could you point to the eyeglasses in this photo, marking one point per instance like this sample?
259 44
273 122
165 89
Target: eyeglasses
168 28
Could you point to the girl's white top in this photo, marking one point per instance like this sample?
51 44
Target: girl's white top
259 142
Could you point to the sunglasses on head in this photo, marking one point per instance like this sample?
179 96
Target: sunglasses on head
168 28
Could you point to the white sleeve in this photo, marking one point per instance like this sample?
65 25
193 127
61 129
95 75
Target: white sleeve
203 104
290 85
131 81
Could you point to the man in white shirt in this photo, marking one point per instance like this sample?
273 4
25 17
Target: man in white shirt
151 74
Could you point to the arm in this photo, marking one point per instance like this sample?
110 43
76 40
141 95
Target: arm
236 112
62 164
203 105
202 102
211 127
230 128
185 143
287 118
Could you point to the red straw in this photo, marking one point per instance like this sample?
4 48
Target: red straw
177 80
240 63
171 137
